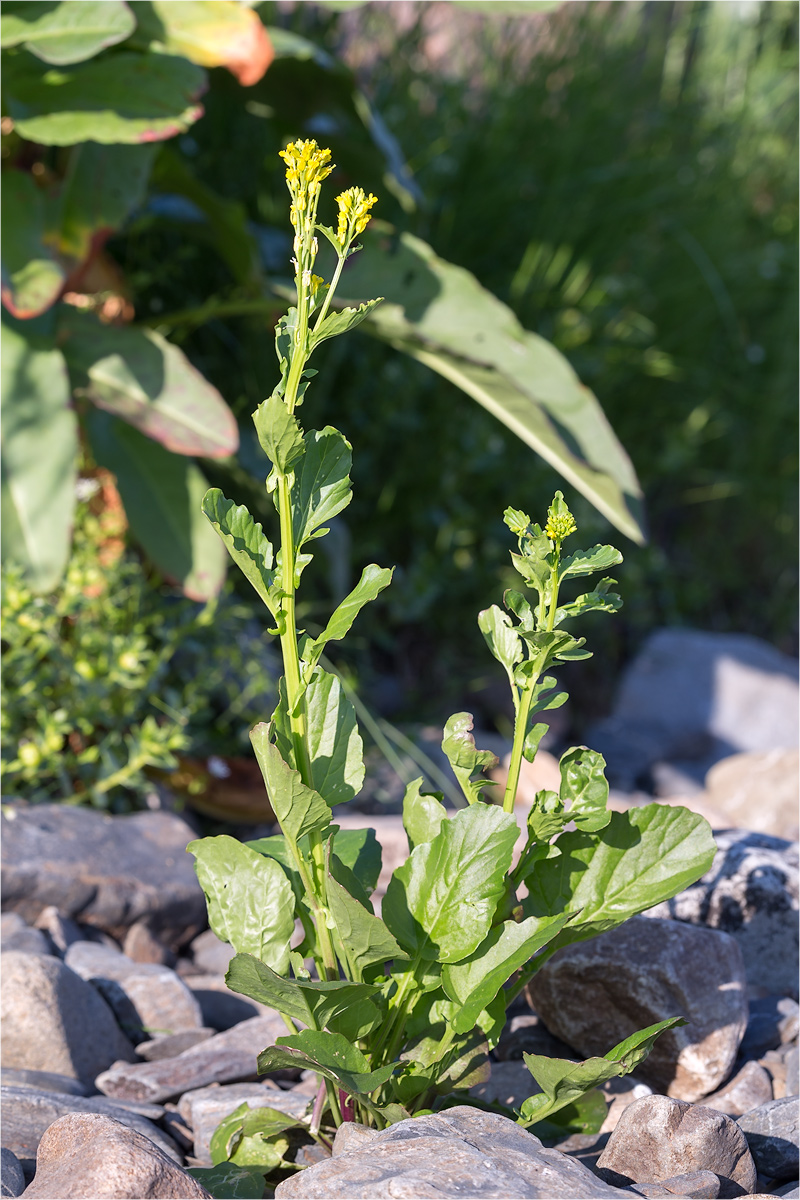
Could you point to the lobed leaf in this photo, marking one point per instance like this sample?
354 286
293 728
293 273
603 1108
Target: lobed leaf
586 562
322 484
245 542
340 322
372 582
465 758
584 785
279 433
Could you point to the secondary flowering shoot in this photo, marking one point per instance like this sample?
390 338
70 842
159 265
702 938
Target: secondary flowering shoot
354 214
560 521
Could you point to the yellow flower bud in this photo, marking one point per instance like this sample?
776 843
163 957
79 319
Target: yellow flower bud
354 214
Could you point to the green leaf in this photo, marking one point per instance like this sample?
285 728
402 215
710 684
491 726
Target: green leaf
250 900
520 607
330 1055
340 322
32 279
584 1115
372 582
501 637
584 785
586 562
39 450
245 542
364 936
251 1137
299 809
334 743
465 758
68 32
211 34
279 433
249 976
423 814
137 375
547 816
125 97
600 600
360 852
322 484
102 187
439 314
473 983
563 1082
441 902
162 494
227 1181
643 856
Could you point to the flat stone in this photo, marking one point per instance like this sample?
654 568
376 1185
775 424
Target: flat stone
226 1058
596 993
700 1184
16 934
12 1176
146 998
692 698
220 1008
210 955
169 1045
108 872
659 1137
44 1081
26 1114
758 791
751 893
204 1108
86 1154
749 1088
461 1152
53 1020
772 1135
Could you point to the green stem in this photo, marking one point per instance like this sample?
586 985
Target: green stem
520 731
395 1023
324 310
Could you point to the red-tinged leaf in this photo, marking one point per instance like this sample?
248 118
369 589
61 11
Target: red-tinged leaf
32 279
211 33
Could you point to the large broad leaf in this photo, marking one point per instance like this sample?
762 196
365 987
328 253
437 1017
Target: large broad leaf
563 1082
66 32
39 449
251 1137
32 279
364 936
213 33
123 98
335 747
441 902
467 761
643 856
372 582
250 900
138 375
103 186
338 1005
360 852
322 485
423 814
439 314
501 637
298 808
245 542
162 494
475 982
329 1054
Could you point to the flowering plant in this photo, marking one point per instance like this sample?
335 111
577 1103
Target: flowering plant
395 1012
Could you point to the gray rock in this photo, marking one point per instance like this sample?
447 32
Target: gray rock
170 1045
659 1137
221 1008
63 931
53 1020
146 998
108 872
86 1154
700 1184
26 1114
204 1108
749 1088
792 1071
526 1034
790 1191
458 1153
693 698
12 1177
44 1081
596 993
142 946
772 1136
757 792
15 934
751 893
772 1020
210 955
779 1063
350 1136
227 1058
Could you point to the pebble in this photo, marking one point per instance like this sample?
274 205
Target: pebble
758 791
460 1152
749 1088
772 1135
87 1154
782 1067
27 1113
751 893
226 1058
700 1184
54 1021
44 1081
169 1045
15 934
146 998
203 1109
143 946
598 992
12 1176
658 1137
109 872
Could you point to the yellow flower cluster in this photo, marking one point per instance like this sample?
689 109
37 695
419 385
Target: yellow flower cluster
354 215
307 165
559 525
